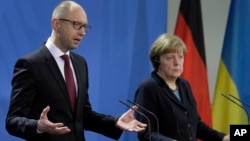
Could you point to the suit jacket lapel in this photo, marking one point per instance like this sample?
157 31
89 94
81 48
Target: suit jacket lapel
167 90
77 68
172 97
56 73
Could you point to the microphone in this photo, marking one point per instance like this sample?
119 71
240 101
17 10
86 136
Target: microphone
240 100
230 99
144 109
146 117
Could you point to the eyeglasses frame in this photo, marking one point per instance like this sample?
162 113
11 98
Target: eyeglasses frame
86 27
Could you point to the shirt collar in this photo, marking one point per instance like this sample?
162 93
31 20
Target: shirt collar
54 50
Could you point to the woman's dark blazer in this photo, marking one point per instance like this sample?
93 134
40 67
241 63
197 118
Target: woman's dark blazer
37 83
177 119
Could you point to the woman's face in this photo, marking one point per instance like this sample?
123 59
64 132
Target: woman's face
171 65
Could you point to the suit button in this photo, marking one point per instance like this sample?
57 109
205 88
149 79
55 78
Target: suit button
188 125
185 112
190 138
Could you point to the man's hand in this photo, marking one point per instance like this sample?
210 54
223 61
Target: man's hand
44 125
129 123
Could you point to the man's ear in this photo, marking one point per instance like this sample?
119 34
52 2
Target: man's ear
55 24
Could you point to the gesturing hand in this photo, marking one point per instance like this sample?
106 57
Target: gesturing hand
44 125
129 123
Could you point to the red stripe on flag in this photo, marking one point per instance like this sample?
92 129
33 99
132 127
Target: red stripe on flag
195 70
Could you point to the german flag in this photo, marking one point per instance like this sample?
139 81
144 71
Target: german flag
189 27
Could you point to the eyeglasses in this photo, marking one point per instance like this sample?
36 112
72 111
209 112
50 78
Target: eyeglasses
78 25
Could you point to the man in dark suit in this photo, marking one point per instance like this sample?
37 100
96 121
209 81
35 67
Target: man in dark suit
43 106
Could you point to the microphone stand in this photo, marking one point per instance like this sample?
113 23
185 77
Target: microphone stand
240 100
157 121
146 117
230 99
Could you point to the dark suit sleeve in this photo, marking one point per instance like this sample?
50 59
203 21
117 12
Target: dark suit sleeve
204 132
207 134
103 124
146 96
100 123
158 137
17 121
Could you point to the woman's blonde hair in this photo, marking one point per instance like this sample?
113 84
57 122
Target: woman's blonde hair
165 43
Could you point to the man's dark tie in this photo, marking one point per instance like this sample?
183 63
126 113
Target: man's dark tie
69 80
